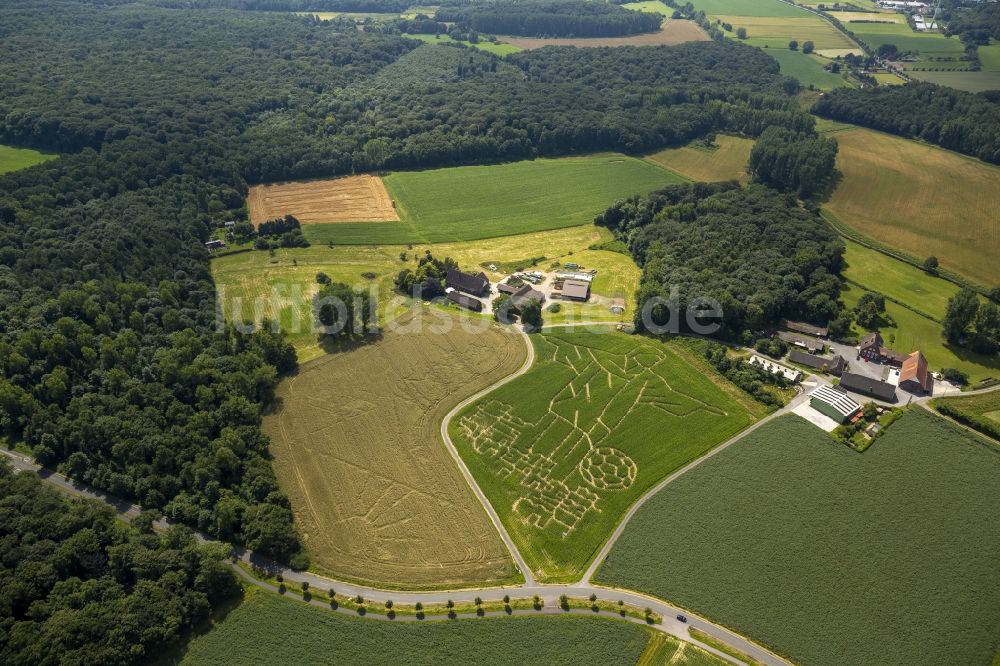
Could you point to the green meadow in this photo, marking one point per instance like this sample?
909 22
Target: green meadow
499 48
475 202
905 39
266 629
13 159
898 280
565 449
762 8
807 68
652 6
829 556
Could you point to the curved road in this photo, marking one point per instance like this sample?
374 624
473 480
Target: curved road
529 578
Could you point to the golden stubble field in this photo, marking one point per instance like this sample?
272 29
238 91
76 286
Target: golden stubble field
675 31
357 447
349 199
920 199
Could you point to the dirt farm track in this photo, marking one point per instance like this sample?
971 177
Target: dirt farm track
349 199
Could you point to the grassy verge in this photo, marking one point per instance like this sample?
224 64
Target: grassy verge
711 641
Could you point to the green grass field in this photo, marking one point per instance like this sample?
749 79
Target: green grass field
981 412
763 8
778 31
726 162
270 630
920 199
563 450
808 69
475 202
828 556
898 280
498 48
13 159
968 81
905 39
652 6
914 332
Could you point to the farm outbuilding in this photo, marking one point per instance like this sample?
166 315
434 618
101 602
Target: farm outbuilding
834 403
872 388
525 294
803 327
576 290
834 366
467 302
800 340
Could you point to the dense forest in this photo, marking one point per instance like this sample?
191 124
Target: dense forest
554 18
960 121
369 6
113 364
79 587
793 161
974 23
753 250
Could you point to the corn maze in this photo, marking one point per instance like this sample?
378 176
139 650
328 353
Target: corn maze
563 450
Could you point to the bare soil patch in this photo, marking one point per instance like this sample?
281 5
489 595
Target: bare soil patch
349 199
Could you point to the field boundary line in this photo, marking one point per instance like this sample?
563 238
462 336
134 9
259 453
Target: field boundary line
529 578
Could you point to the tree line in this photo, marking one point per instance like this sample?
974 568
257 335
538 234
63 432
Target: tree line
754 251
960 121
552 18
78 587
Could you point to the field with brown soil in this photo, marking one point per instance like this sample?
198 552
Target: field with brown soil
357 447
675 31
349 199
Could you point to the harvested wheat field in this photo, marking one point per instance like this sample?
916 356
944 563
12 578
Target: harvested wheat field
348 199
676 31
357 447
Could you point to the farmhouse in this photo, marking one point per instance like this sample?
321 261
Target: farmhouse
803 327
467 302
505 288
799 340
576 290
872 388
870 347
835 366
477 285
914 376
525 294
834 403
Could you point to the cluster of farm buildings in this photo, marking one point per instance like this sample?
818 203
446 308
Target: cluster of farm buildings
468 289
875 372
